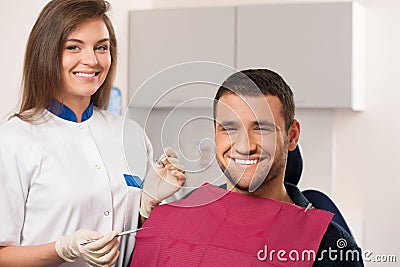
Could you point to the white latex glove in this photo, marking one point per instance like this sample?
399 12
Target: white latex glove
102 252
162 181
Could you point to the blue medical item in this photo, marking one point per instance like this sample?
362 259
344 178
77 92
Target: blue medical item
114 105
132 180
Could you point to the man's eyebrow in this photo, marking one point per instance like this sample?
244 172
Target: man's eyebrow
263 123
226 123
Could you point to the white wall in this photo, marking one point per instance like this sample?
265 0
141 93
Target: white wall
366 148
16 21
119 17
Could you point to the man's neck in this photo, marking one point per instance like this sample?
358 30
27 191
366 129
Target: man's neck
274 189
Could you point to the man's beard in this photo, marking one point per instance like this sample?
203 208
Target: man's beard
261 177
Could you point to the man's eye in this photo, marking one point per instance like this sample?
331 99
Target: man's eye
229 129
265 130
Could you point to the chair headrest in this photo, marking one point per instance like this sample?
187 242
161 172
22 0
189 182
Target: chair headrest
294 166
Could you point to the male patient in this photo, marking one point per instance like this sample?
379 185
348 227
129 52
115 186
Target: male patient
259 220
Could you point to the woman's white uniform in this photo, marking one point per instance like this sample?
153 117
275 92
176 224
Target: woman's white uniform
60 176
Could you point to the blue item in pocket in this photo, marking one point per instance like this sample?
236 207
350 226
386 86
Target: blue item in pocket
114 104
132 180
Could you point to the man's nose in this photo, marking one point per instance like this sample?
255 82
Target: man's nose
245 143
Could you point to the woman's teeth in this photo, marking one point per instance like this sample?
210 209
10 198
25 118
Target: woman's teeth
85 75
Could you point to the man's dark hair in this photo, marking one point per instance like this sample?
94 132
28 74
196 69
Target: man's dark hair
257 82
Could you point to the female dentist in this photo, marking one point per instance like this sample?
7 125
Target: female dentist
62 162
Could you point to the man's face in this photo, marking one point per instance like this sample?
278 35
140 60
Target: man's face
251 143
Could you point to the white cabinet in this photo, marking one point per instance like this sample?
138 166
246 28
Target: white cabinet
163 38
316 47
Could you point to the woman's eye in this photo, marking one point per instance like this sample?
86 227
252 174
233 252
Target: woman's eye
102 48
73 48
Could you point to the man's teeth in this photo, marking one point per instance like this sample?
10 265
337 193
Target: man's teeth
246 161
86 75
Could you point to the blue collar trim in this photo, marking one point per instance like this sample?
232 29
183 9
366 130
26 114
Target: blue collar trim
64 112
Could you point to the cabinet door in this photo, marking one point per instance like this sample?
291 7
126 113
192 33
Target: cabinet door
163 38
316 47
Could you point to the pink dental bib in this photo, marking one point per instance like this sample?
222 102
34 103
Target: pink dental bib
215 227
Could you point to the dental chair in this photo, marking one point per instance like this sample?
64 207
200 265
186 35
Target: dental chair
319 200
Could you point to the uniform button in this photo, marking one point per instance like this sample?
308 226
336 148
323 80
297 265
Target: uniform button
106 213
81 127
97 166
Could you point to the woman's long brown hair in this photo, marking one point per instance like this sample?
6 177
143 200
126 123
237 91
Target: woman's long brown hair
42 79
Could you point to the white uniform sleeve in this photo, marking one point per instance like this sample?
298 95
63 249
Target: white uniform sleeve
19 164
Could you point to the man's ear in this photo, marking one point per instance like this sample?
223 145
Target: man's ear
293 135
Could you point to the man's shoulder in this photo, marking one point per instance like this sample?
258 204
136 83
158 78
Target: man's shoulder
338 248
335 233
